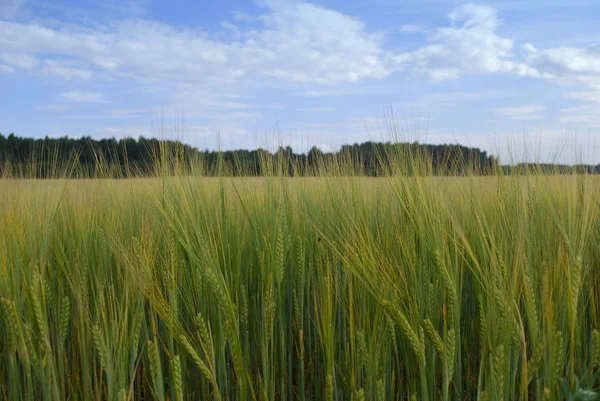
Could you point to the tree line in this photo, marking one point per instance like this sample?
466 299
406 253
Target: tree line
88 157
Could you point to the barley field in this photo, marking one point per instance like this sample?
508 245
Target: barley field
278 288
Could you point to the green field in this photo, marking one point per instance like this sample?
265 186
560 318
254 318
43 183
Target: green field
275 288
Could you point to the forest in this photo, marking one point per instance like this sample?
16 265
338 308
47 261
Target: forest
42 157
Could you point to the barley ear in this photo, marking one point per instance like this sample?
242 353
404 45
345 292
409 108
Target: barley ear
450 351
39 319
122 395
449 284
329 388
280 255
299 268
100 346
433 336
389 327
362 348
156 369
12 323
499 371
206 372
559 354
244 308
596 348
296 302
65 318
547 394
380 390
236 348
177 379
204 333
30 346
432 299
411 336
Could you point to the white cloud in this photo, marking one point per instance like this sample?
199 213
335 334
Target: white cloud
82 97
55 107
226 131
411 28
591 96
566 61
196 100
323 93
19 60
583 115
291 43
391 127
441 99
470 45
65 70
324 147
11 8
122 132
581 67
308 43
521 113
529 117
127 113
202 136
6 69
317 109
298 41
237 115
540 145
242 17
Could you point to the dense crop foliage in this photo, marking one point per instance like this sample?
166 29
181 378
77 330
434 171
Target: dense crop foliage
332 288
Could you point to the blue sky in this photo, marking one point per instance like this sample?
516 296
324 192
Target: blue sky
324 73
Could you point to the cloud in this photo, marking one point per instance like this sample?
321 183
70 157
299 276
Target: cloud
65 70
440 99
55 107
200 135
521 113
238 115
590 96
308 43
19 60
411 28
585 115
294 41
10 9
391 127
122 132
470 45
82 97
297 41
323 93
566 61
291 41
573 66
570 65
317 109
286 44
241 16
7 69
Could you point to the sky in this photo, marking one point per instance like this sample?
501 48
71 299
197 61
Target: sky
517 78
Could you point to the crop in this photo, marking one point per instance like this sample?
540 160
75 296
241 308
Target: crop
333 287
